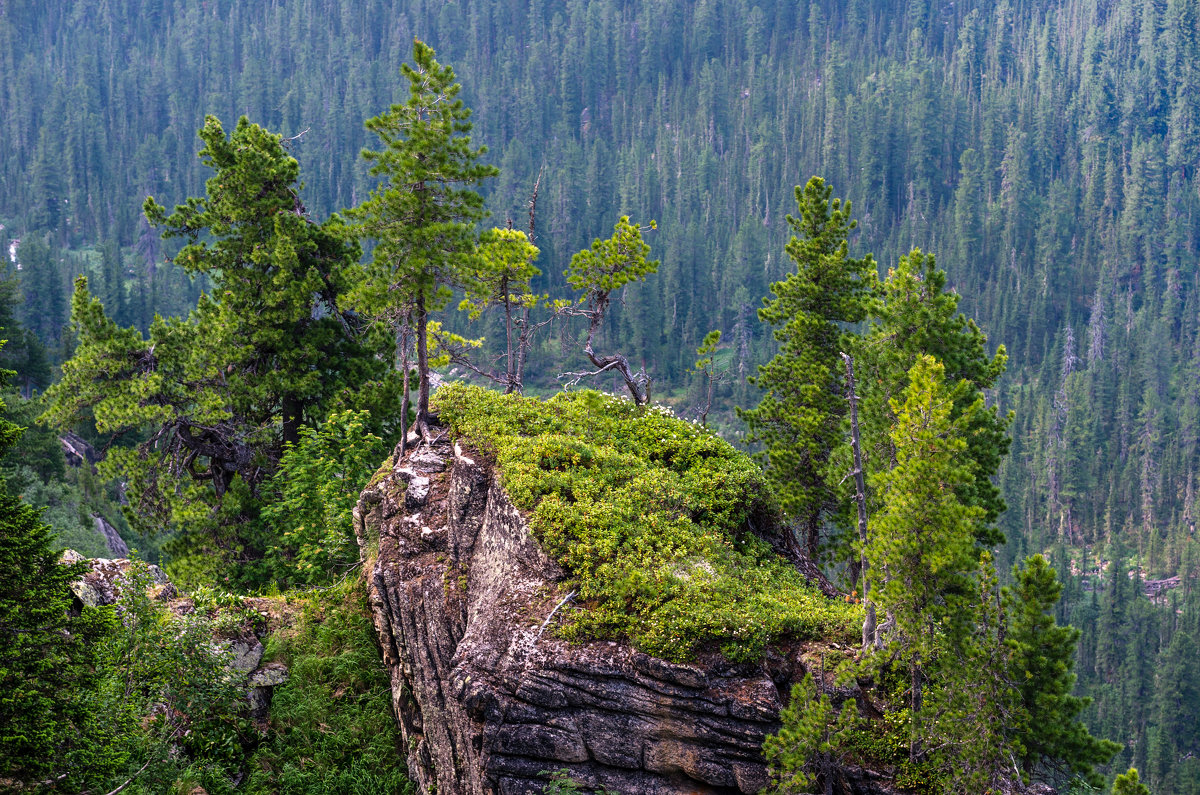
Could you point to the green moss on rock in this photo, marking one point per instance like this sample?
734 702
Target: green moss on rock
653 517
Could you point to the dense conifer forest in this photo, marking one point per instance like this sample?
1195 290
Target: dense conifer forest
1046 151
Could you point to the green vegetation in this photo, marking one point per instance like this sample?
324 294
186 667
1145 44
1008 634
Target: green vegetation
48 660
108 697
812 741
175 709
315 490
799 418
1129 783
212 400
561 783
1045 149
421 216
597 273
653 516
1042 662
331 724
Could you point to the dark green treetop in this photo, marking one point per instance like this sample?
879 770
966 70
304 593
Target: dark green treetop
48 729
1051 736
915 315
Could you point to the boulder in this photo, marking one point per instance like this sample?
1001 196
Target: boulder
102 586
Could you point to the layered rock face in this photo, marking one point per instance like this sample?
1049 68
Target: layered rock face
489 699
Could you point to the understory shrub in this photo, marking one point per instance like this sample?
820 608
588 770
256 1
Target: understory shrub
331 724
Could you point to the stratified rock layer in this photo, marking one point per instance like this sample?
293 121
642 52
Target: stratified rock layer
487 697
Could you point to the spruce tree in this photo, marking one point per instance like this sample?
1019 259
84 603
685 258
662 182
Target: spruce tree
48 671
1050 736
422 214
799 418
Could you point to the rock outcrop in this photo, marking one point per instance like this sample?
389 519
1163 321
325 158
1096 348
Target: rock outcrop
116 545
489 699
102 585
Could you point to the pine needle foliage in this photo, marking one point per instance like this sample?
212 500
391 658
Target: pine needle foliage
48 659
1051 736
317 485
1129 783
799 418
813 739
422 214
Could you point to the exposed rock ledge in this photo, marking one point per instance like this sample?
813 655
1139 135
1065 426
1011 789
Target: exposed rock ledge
488 698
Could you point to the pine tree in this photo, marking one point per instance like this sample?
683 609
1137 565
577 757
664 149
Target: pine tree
508 258
48 674
811 743
1051 736
422 214
278 275
1177 694
916 316
799 417
264 353
1128 783
921 541
970 698
598 272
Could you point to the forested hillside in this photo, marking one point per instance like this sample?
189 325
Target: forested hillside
1046 151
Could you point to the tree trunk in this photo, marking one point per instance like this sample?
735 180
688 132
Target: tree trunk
510 375
914 747
524 341
292 411
860 500
422 421
813 535
402 363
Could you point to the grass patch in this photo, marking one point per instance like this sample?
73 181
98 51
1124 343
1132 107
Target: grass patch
332 729
653 518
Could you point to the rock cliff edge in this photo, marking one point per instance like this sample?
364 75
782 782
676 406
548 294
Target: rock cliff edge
488 698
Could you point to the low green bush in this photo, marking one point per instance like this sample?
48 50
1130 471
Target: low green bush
654 518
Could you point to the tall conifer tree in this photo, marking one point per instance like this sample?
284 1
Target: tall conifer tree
48 659
1042 662
262 354
917 316
799 417
422 214
921 540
